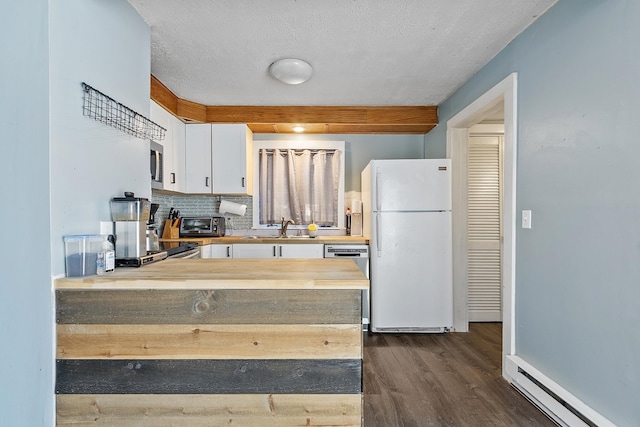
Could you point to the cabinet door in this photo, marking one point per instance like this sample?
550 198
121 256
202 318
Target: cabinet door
163 118
220 251
205 251
231 150
293 250
198 159
177 179
255 250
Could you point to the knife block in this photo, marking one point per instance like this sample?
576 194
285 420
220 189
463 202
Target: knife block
171 229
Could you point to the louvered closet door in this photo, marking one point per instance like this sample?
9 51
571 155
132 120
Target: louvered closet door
484 228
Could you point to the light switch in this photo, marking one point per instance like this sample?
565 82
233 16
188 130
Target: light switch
526 219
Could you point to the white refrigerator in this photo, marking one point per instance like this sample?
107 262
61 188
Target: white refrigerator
407 219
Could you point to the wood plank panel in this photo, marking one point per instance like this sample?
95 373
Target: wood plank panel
265 410
341 128
209 341
158 339
288 127
163 96
191 111
285 114
379 128
227 306
208 376
398 115
278 119
415 115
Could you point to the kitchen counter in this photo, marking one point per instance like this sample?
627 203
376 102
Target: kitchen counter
265 239
178 273
212 342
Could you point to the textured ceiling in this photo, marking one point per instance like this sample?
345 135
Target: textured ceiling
364 52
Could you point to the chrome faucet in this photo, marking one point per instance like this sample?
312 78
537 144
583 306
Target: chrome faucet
283 226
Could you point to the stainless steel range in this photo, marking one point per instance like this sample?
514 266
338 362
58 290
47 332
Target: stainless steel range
185 250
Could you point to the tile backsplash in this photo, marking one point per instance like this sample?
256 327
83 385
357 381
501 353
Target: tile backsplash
202 205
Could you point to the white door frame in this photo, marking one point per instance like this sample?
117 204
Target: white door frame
502 95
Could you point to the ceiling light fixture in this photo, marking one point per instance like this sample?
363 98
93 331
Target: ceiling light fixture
291 71
298 129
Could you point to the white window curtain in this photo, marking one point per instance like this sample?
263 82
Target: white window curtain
301 185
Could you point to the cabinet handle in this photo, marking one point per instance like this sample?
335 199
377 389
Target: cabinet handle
280 251
274 251
173 178
243 182
228 251
206 181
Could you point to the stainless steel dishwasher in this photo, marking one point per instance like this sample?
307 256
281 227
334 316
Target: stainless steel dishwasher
360 255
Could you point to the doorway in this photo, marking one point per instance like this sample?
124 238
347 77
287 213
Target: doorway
502 96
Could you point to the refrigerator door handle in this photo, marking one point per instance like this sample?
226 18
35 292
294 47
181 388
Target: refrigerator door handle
378 234
377 193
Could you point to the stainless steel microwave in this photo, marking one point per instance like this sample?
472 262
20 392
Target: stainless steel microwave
156 164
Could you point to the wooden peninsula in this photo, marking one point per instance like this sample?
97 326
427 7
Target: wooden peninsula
212 342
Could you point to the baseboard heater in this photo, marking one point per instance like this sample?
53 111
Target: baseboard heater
554 400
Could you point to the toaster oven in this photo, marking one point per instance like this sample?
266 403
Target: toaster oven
208 226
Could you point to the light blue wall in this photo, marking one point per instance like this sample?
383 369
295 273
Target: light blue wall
26 368
106 45
360 149
578 268
58 169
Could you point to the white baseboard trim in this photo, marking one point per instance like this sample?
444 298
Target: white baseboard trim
554 400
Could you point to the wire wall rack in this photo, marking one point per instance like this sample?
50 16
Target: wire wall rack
107 110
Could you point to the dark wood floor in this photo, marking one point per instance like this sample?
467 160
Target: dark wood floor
442 380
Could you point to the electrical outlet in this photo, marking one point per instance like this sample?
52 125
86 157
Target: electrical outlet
526 219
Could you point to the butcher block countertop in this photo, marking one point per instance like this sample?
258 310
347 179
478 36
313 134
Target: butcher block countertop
326 273
226 240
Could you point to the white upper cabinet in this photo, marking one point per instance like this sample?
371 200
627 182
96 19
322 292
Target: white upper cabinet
218 159
232 169
173 177
177 176
198 159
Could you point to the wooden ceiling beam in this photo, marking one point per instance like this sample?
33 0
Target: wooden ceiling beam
320 119
414 115
163 96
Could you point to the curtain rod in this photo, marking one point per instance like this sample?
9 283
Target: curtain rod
298 150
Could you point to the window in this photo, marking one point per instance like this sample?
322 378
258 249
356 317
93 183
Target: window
298 180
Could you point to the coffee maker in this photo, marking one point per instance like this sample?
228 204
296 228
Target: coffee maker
130 215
